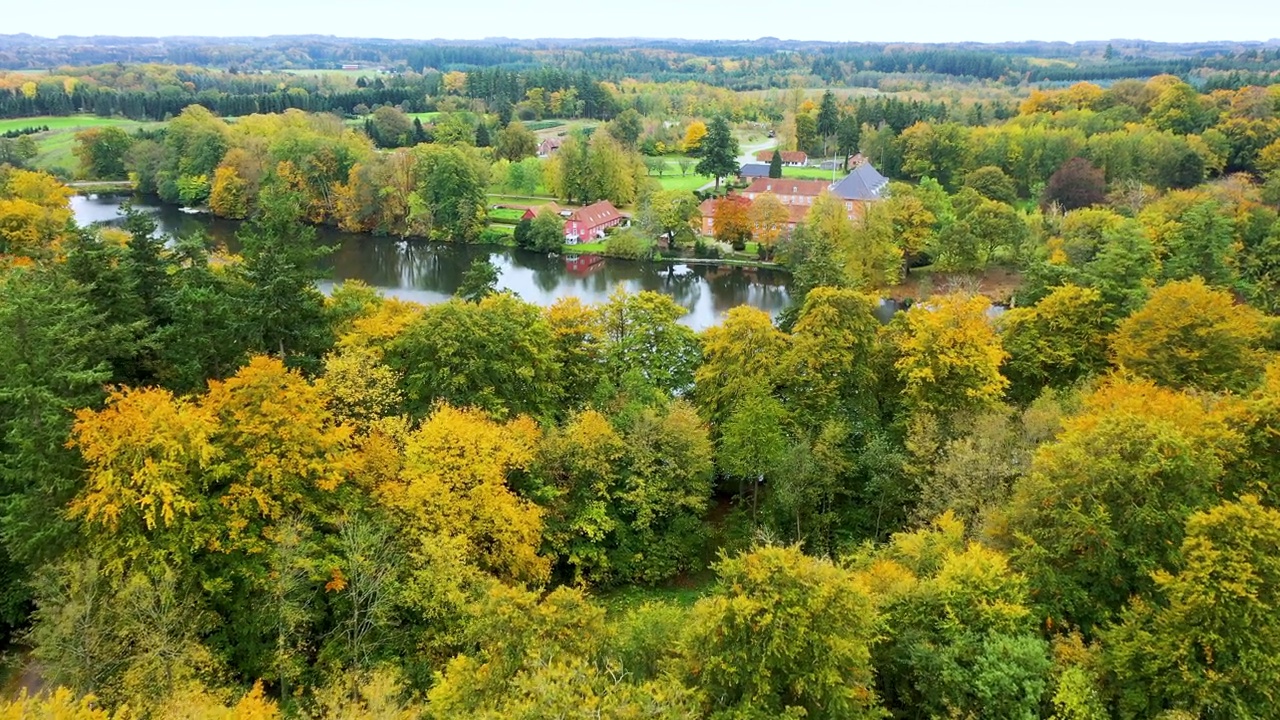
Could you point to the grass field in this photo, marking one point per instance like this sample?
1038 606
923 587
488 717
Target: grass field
688 182
57 144
809 173
499 199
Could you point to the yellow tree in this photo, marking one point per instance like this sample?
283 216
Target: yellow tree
1191 335
693 136
454 485
743 350
949 355
770 218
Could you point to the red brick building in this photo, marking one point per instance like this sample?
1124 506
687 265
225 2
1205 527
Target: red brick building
589 223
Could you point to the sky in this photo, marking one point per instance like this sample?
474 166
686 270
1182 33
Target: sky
833 20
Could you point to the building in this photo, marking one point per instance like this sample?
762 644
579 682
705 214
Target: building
753 170
708 210
548 146
862 185
589 223
532 211
794 158
789 191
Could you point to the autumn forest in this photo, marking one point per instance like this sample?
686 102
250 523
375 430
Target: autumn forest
1040 489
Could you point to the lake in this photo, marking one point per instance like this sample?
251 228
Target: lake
430 272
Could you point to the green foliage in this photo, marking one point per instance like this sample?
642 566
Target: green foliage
1207 642
1104 504
479 281
719 151
495 354
1056 342
783 635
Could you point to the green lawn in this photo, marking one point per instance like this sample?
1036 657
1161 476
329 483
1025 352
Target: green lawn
689 182
507 215
500 199
810 173
57 144
70 122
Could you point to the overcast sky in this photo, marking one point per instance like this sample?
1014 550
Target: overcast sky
839 20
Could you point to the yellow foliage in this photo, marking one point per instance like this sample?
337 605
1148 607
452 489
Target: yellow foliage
950 355
389 318
693 136
57 705
35 214
358 388
197 703
454 483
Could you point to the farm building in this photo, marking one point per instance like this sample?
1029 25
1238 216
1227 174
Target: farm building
548 146
794 158
589 223
753 170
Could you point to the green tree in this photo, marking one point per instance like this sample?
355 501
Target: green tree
783 635
626 128
642 337
1207 641
283 308
546 233
828 119
719 151
496 354
1056 342
479 281
775 164
960 636
1105 503
52 349
993 184
102 152
448 203
516 142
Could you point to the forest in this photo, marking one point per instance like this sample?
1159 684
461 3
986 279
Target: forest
226 494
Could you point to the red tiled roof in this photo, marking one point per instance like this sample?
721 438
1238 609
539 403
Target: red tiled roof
596 215
786 186
788 156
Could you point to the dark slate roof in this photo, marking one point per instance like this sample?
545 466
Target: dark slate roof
754 170
863 183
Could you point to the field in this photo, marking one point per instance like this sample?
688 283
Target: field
57 144
810 173
689 182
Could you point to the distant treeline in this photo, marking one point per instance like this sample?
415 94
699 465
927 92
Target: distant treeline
738 65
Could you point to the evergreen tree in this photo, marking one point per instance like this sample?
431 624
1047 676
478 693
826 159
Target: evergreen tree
775 164
284 309
719 151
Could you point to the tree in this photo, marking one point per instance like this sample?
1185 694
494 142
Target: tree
694 136
936 151
1207 641
101 152
52 347
455 484
992 183
961 639
643 338
948 355
626 128
828 119
284 309
1105 503
1076 184
516 142
479 281
770 219
673 214
1056 342
391 127
496 355
783 635
546 233
731 221
719 151
1190 335
745 350
448 203
848 136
